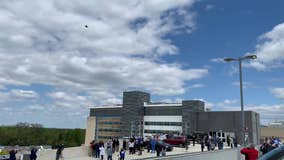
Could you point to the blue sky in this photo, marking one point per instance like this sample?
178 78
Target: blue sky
52 68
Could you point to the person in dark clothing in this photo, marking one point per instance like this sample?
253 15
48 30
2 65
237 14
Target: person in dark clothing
220 143
235 142
228 140
113 145
33 155
122 154
59 152
124 144
97 150
158 149
207 143
12 154
193 139
202 143
147 145
92 144
266 147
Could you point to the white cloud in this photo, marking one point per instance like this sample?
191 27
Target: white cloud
71 100
218 60
17 95
54 48
270 49
209 7
36 107
197 85
24 94
278 92
45 42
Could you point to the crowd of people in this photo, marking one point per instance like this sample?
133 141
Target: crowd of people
251 153
211 142
270 144
112 146
134 145
13 152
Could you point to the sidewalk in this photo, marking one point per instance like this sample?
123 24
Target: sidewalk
176 150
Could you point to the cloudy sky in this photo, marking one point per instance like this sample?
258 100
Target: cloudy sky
59 57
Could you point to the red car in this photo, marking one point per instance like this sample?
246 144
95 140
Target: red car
176 140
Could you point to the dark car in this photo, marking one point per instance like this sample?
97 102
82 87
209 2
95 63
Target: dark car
166 145
275 154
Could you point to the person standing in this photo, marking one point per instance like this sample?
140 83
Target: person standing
131 147
250 152
186 144
33 155
116 145
122 154
202 143
59 152
153 145
109 152
193 139
92 148
124 144
266 146
113 144
220 143
158 149
102 152
97 150
228 139
12 154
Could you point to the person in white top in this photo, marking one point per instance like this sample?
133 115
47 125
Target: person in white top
131 147
102 152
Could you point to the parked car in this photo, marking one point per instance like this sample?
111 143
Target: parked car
275 154
176 140
166 145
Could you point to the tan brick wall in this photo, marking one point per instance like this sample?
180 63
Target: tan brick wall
269 132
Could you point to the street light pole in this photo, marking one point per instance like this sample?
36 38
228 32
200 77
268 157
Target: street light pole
241 91
242 101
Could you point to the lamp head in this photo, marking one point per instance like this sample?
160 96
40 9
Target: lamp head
251 57
229 59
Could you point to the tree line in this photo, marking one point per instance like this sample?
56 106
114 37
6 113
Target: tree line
26 134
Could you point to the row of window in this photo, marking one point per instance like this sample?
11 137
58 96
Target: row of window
109 137
108 122
160 131
109 130
164 123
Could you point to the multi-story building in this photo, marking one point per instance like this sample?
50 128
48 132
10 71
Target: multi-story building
138 116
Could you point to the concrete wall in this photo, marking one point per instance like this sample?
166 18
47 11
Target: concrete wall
133 112
90 130
188 107
227 121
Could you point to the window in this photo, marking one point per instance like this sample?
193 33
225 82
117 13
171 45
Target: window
164 123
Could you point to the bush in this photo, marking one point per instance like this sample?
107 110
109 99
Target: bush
4 152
